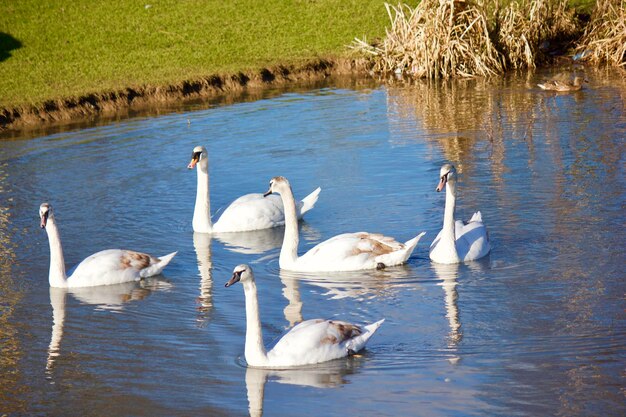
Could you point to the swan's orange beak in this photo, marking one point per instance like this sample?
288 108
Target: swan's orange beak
195 158
442 183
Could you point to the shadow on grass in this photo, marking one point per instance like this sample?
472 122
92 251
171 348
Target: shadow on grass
7 44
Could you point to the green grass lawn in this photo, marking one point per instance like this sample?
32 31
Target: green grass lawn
62 48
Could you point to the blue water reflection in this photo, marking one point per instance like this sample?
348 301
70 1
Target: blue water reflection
537 328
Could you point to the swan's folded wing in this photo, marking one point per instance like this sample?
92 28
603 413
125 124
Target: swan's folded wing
354 244
318 334
472 240
111 266
251 212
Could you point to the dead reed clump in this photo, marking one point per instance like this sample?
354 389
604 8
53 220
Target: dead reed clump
604 40
437 39
466 38
525 28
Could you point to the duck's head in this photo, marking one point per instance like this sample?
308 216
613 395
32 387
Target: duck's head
277 184
45 212
199 153
241 273
447 173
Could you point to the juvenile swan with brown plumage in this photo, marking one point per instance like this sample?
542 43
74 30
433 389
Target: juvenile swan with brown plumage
310 342
112 266
345 252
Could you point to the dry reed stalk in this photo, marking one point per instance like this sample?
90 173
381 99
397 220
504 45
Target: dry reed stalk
525 26
452 38
437 39
604 39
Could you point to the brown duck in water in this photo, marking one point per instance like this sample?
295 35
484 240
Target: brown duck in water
557 85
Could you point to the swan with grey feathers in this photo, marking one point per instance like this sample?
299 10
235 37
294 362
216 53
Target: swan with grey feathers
107 267
310 342
248 212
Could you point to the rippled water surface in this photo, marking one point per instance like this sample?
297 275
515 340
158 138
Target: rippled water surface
537 328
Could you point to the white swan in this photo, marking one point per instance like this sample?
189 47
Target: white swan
112 266
248 212
312 341
457 241
345 252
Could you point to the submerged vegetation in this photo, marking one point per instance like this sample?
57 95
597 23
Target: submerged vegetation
466 38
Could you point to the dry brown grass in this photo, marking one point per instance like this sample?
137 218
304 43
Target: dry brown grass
467 38
604 40
525 27
437 39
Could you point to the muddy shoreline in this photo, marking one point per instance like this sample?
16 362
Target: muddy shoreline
109 103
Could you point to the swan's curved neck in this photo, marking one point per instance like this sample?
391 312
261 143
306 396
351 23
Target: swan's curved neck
56 277
255 350
202 211
448 237
289 250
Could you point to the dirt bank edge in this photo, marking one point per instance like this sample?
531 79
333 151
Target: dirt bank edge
110 102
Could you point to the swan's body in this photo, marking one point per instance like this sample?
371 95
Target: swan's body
107 267
310 342
248 212
558 85
345 252
458 241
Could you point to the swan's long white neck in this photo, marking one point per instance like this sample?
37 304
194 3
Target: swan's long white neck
255 350
202 211
448 238
56 277
289 250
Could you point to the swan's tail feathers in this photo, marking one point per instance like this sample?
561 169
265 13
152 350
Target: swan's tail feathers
477 217
401 255
357 343
411 244
157 267
309 201
166 258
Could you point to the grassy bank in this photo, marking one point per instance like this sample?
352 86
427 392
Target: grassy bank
69 48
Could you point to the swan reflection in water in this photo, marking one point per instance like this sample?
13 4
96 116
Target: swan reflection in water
448 274
105 297
324 375
202 245
360 285
256 242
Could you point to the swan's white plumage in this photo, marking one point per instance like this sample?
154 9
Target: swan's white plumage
310 342
319 340
107 267
355 251
458 241
247 213
344 252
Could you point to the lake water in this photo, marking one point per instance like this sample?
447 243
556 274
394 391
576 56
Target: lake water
537 328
